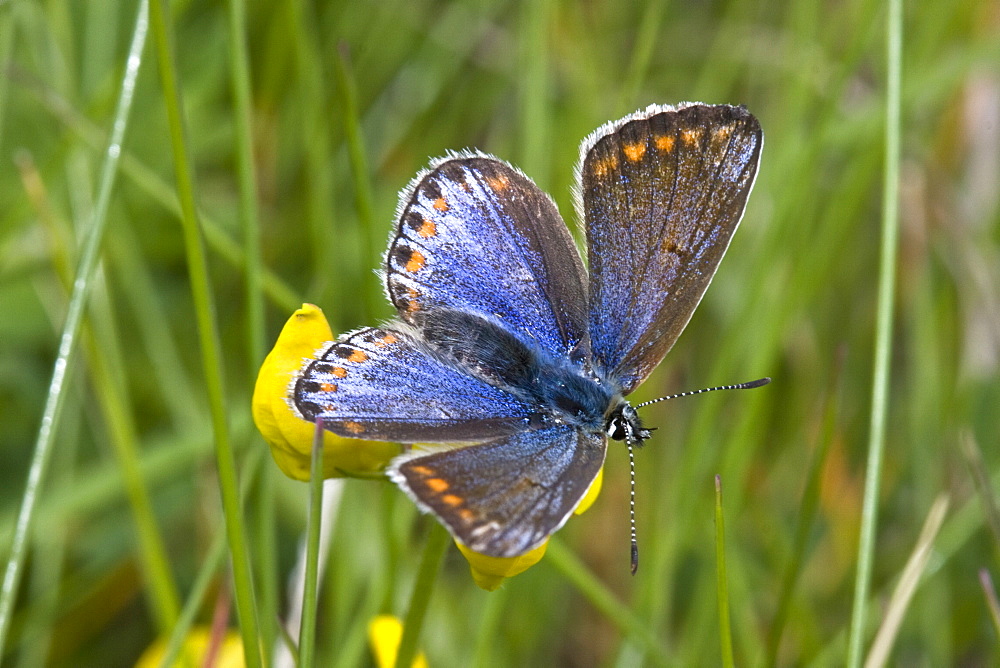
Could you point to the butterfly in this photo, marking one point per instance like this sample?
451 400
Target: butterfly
510 361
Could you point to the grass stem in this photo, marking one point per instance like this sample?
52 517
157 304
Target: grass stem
722 584
68 342
883 334
438 540
207 335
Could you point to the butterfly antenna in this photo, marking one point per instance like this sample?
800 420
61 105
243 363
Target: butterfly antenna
631 454
631 506
760 382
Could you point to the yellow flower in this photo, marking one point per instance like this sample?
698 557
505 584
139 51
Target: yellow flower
490 572
384 635
229 654
588 499
289 436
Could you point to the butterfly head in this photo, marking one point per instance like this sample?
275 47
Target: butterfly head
623 424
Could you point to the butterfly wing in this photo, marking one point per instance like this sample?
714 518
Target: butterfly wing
384 384
662 192
505 497
474 234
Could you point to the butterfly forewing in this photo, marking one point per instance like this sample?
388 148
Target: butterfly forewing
383 384
662 193
475 234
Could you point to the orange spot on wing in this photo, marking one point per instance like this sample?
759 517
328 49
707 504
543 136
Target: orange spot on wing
691 137
634 152
412 304
428 229
419 469
328 387
452 500
440 204
437 484
466 514
600 167
354 427
339 372
665 143
497 183
385 340
358 356
416 261
722 134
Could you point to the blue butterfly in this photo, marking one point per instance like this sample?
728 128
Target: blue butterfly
509 356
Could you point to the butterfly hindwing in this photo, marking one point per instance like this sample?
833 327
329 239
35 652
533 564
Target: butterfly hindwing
505 497
474 234
662 192
384 384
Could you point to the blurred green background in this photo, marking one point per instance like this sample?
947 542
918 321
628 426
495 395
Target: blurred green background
347 101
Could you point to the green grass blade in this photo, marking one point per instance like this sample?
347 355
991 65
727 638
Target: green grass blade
984 489
49 557
650 26
307 626
103 352
6 46
208 338
597 593
805 525
68 342
907 585
438 540
118 415
151 319
262 503
239 74
196 597
992 602
489 626
361 177
722 583
314 142
883 334
143 176
534 91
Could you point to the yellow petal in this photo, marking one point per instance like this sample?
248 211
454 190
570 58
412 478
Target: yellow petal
289 436
591 495
490 572
384 635
229 654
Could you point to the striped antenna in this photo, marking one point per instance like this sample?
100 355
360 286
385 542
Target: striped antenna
760 382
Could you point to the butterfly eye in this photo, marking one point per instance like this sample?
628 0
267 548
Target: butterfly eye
616 428
619 428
